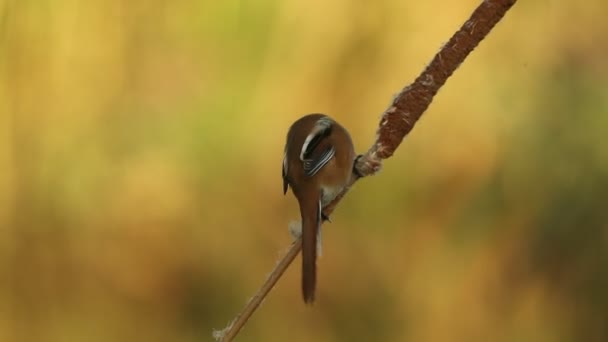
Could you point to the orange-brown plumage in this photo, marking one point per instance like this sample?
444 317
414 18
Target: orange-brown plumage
318 163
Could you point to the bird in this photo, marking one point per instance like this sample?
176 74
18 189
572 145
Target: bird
318 164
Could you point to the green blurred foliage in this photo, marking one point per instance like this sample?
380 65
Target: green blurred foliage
140 197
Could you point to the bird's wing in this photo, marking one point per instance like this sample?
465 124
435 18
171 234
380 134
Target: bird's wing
312 159
320 131
284 174
313 165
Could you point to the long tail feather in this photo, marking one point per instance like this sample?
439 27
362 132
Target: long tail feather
311 220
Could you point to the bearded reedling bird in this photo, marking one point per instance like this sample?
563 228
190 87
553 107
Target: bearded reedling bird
317 165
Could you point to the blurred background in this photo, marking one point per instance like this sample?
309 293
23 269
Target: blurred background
140 192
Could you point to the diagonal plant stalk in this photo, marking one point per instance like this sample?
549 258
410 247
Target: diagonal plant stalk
396 122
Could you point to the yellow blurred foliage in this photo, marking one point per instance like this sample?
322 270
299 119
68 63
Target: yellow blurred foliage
140 197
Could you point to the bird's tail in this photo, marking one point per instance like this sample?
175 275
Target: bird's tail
311 221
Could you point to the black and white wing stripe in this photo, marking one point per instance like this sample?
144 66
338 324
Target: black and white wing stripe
320 131
312 166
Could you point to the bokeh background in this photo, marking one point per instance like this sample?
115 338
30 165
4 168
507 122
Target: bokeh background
140 193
